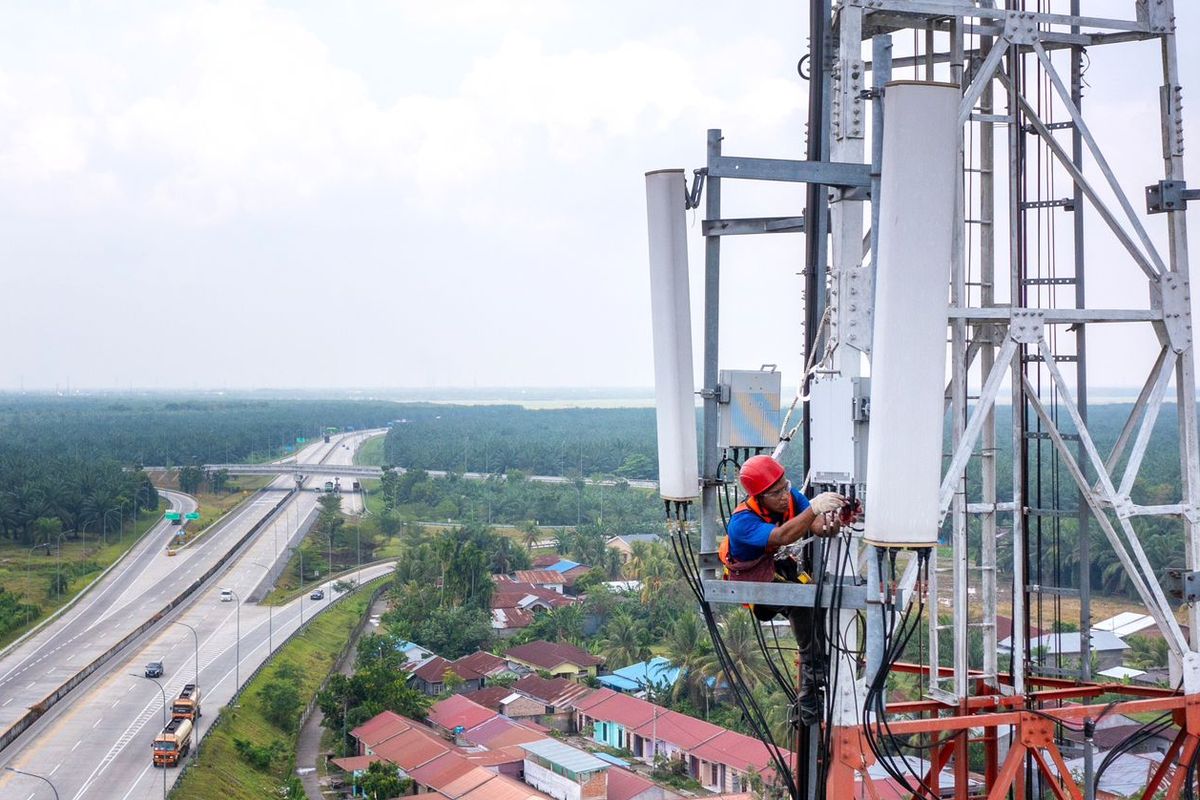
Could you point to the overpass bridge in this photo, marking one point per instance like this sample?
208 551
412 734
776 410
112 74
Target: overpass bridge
359 471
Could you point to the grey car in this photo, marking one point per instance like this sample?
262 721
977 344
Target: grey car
154 669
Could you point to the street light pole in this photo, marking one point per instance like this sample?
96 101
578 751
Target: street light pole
164 716
35 775
237 667
58 567
196 680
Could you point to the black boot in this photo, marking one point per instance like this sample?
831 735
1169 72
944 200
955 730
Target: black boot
808 700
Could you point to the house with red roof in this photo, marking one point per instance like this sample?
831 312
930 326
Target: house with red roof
560 660
545 700
456 714
557 693
673 735
541 578
720 759
626 785
377 729
724 763
516 604
430 677
486 664
610 718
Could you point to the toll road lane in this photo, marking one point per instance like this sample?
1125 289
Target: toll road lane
118 718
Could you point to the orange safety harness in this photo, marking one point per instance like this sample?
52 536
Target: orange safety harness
760 569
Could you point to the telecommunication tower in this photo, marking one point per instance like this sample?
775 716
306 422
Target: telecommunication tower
950 170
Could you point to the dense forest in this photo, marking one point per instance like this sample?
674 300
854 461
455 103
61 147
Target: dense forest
67 463
496 439
170 431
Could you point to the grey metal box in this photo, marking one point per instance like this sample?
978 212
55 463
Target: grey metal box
749 413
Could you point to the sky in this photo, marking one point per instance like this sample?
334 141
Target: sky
408 194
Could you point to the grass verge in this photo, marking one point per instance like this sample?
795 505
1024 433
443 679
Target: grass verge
370 452
31 573
222 771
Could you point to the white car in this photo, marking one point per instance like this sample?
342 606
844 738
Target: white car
226 596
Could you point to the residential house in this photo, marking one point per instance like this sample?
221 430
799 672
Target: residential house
623 544
541 578
500 732
1107 648
1126 776
413 652
438 768
515 605
610 718
1127 623
377 730
488 665
490 697
626 785
560 660
724 762
564 772
456 714
720 759
571 572
672 735
533 698
558 694
655 676
430 677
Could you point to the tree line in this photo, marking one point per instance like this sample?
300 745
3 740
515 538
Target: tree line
173 431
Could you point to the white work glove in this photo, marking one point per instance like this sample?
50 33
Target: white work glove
827 502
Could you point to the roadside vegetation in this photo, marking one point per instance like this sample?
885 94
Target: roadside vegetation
370 452
39 579
250 752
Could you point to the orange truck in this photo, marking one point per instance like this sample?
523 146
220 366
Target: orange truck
187 705
173 743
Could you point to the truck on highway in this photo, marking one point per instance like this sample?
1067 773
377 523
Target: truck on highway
187 705
173 743
328 487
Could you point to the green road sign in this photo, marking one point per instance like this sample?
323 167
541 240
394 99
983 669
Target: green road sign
172 515
192 515
300 440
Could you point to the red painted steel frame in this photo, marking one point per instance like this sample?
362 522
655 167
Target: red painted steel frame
1033 718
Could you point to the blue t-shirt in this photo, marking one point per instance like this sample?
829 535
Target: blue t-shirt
748 534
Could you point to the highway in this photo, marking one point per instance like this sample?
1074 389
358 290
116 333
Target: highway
98 738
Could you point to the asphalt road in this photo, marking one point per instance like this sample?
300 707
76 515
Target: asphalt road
96 742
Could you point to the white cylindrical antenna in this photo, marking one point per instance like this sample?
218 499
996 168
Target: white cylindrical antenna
670 308
912 280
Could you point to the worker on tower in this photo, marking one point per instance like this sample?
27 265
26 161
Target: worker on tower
773 516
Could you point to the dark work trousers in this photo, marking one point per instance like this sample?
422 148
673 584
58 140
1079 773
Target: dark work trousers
807 627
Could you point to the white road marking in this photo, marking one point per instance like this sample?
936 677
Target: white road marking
56 766
6 702
76 745
32 683
136 781
97 722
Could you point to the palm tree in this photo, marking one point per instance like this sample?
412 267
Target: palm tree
530 535
737 632
640 553
691 652
622 644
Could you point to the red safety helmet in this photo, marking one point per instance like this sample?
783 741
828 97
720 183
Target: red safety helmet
758 473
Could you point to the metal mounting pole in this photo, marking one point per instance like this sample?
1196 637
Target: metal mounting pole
710 526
